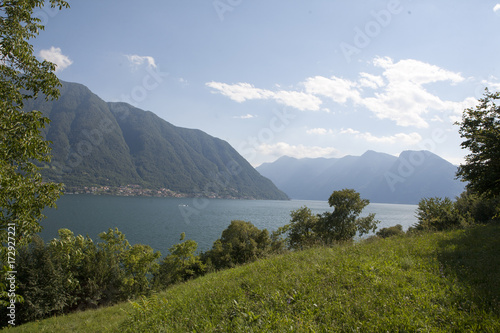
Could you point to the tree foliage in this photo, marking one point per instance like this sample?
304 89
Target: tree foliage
23 194
480 127
301 229
75 273
437 214
344 222
478 208
241 242
396 230
181 264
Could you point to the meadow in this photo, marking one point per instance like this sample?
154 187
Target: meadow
428 282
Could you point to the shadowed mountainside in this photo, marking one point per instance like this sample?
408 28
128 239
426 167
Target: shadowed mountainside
95 143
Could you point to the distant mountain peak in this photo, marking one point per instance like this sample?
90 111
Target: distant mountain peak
379 177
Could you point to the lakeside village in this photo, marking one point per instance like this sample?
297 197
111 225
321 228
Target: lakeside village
132 190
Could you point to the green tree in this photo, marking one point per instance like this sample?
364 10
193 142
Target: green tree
477 208
301 229
23 194
140 264
41 282
396 230
480 127
240 242
343 223
437 214
130 269
70 252
181 264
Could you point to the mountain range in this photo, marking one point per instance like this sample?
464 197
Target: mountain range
97 143
379 177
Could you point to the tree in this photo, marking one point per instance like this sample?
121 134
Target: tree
41 282
301 229
23 194
480 127
241 242
181 264
437 214
343 223
140 264
396 230
477 208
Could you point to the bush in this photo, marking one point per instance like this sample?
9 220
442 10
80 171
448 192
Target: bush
396 230
241 242
181 264
72 272
478 208
301 229
438 214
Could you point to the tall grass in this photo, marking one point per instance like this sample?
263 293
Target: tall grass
433 282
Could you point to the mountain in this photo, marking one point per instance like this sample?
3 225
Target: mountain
95 143
376 176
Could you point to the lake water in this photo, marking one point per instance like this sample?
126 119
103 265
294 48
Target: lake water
158 222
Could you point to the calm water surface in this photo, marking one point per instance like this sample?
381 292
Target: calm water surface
158 222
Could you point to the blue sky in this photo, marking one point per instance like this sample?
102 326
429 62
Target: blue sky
303 78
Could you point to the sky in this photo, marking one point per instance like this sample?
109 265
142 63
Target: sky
316 78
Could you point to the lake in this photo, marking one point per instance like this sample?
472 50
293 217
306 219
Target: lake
158 222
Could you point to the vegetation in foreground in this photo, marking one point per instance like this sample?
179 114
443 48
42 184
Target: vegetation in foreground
442 281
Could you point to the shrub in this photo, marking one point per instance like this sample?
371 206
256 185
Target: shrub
396 230
438 214
241 242
478 208
301 229
181 264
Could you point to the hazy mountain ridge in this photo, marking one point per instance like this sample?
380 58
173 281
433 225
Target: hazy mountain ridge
377 176
115 144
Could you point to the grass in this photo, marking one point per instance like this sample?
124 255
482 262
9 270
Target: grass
437 282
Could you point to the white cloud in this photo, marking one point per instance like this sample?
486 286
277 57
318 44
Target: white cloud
415 71
348 131
319 131
409 139
370 81
300 151
492 86
247 116
404 99
137 60
338 89
241 92
398 94
55 56
298 100
496 9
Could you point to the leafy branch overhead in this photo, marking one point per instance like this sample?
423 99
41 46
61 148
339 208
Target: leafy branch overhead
480 127
23 194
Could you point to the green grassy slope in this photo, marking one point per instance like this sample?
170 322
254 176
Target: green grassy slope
440 282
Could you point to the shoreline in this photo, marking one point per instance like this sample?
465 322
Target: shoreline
138 191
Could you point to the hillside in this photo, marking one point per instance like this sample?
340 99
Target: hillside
96 143
437 282
379 177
